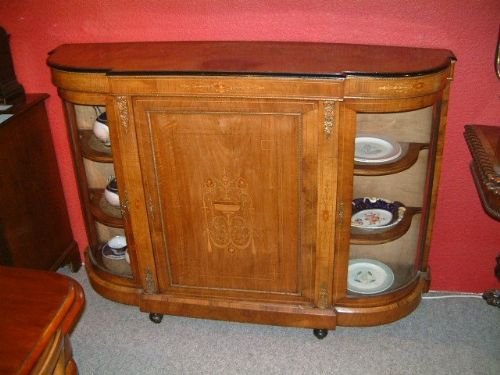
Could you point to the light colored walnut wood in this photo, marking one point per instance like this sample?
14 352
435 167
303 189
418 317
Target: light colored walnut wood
236 173
246 235
388 88
222 86
366 315
83 82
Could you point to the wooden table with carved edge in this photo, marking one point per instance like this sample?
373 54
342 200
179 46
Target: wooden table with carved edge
484 145
38 310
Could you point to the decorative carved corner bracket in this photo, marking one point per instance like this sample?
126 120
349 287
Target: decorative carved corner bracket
323 296
149 286
122 104
329 108
151 207
124 204
341 213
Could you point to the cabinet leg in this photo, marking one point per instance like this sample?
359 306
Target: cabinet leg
492 297
320 333
72 258
156 318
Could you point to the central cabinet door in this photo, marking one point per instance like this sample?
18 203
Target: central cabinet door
231 188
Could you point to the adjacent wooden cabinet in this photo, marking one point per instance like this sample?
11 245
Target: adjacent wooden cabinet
240 166
34 226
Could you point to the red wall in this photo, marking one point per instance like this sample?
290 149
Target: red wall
466 240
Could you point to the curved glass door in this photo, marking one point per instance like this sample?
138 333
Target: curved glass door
390 196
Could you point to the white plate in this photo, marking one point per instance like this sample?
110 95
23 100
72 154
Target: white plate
371 149
5 117
371 218
368 276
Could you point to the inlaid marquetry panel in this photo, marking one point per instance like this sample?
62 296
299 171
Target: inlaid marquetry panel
225 182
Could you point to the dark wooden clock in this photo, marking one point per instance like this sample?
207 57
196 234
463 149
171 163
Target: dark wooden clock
9 87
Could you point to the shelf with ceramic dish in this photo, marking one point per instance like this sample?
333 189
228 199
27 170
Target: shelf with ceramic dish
370 278
102 277
103 211
409 155
94 149
108 264
378 235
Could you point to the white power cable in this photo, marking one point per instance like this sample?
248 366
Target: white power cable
452 295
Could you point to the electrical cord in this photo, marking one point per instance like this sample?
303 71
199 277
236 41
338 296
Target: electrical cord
453 295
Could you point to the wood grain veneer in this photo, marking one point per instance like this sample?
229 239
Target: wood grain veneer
235 167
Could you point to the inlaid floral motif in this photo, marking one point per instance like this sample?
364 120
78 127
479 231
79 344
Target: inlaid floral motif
229 214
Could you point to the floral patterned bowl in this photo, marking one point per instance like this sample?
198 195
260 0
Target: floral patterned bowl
376 213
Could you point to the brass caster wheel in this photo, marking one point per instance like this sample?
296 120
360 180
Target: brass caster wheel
156 318
320 333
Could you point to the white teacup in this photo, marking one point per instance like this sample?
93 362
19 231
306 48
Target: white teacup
111 193
101 129
118 245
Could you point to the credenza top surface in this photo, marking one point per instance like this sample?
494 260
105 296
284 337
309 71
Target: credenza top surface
248 58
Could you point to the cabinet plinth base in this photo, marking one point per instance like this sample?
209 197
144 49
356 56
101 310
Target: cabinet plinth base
112 289
242 311
70 257
352 313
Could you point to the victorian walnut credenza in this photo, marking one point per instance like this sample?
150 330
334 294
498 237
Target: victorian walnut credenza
277 183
